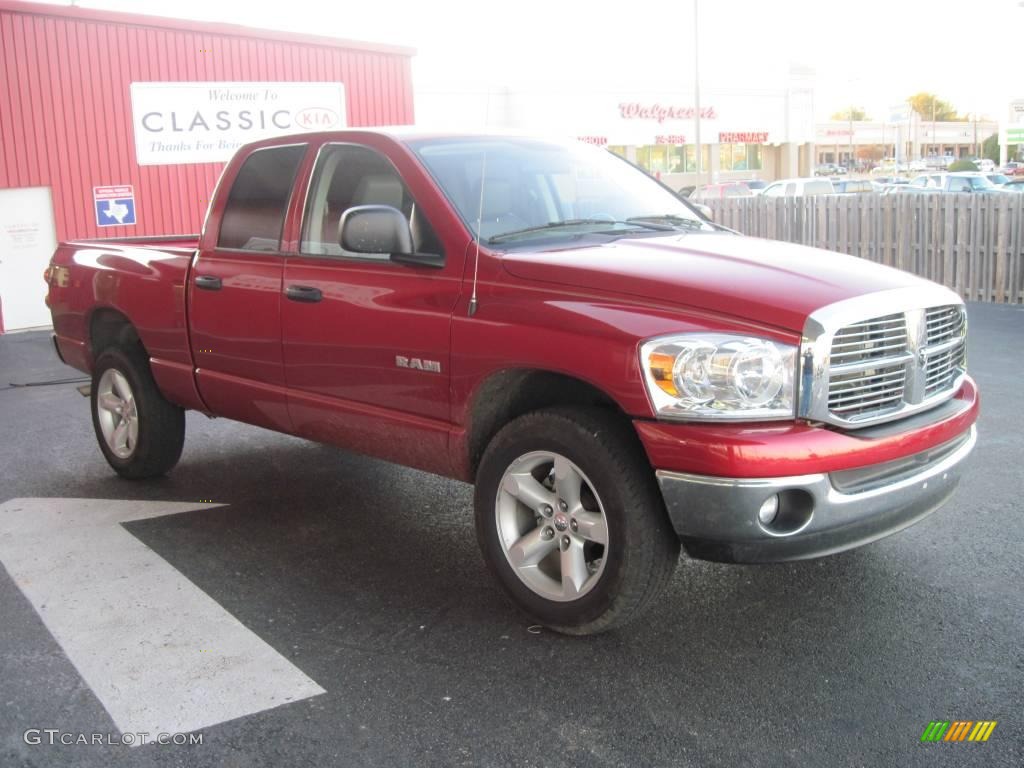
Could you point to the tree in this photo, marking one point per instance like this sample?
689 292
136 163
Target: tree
871 153
990 148
851 113
923 103
962 165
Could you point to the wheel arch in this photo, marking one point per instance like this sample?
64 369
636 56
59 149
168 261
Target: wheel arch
509 393
109 327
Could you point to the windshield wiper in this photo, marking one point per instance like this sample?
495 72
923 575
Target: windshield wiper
667 217
694 224
576 222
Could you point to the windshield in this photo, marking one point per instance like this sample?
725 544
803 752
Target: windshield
534 189
980 182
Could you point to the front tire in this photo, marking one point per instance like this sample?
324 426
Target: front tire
570 520
140 433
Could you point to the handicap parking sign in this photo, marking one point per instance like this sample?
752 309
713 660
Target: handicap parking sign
115 206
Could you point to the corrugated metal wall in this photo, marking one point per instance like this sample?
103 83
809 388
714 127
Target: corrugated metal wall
65 107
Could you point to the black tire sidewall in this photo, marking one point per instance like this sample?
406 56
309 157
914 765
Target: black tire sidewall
160 424
605 476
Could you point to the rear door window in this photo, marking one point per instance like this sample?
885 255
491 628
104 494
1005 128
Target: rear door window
258 201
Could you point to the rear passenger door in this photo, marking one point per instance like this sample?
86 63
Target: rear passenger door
235 294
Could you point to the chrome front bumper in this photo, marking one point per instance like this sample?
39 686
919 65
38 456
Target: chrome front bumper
821 514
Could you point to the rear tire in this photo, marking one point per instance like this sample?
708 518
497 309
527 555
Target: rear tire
571 521
140 433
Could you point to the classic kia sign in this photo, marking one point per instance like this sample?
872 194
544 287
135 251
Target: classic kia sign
177 123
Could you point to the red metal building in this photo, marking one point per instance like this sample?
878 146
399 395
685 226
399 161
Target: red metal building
68 84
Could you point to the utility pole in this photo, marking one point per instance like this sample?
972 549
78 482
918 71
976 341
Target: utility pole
696 85
936 151
850 160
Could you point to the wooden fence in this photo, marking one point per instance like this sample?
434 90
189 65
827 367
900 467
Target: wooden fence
973 244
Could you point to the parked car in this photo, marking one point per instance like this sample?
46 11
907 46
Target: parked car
615 375
1013 168
962 181
721 191
799 188
983 164
908 189
853 186
882 182
757 186
928 181
889 168
940 162
829 169
968 181
1014 185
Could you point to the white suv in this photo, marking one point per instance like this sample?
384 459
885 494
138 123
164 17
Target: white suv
799 188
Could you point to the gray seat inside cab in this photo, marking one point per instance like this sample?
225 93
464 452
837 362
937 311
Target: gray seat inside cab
388 189
380 189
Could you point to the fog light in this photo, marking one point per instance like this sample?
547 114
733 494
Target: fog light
769 510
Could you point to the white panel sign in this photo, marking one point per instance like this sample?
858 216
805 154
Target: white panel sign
178 123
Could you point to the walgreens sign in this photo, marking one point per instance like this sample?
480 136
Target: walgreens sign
634 110
178 123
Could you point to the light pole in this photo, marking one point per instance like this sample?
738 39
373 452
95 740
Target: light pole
849 160
934 150
696 85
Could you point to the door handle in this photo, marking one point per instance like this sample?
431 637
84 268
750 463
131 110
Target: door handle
208 282
306 293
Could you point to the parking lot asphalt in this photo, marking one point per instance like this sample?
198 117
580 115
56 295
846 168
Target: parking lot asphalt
367 578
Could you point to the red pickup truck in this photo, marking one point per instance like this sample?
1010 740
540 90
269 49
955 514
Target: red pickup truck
615 373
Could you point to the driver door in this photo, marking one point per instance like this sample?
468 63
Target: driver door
365 339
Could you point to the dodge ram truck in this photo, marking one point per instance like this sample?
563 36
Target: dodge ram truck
617 375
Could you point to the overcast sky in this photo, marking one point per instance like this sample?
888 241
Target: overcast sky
871 53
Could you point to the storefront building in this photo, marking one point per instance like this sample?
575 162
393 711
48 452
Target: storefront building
117 125
862 143
744 134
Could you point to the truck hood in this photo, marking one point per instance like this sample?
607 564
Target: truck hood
764 281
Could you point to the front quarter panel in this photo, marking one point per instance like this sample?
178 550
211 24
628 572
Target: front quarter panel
522 326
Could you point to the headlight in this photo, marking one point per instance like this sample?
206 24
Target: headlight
716 376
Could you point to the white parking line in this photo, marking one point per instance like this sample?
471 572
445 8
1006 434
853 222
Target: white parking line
159 653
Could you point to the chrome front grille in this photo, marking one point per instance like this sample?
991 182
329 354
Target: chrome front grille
944 323
868 367
855 394
870 340
946 347
858 371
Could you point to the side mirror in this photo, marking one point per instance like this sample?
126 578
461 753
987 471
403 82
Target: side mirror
381 230
704 211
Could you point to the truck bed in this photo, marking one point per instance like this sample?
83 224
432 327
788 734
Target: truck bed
143 278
